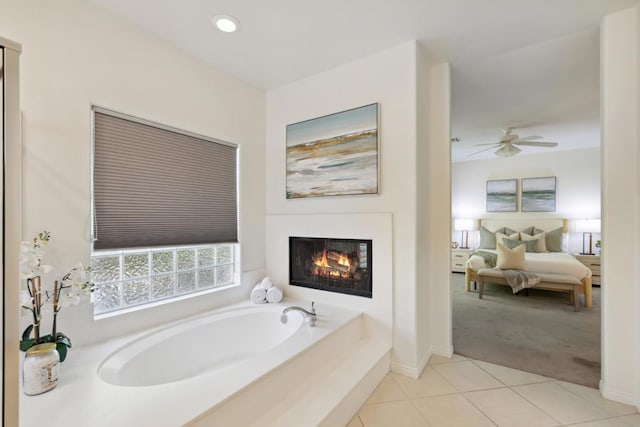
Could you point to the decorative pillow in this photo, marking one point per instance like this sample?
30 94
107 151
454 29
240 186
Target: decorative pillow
505 230
532 230
510 259
487 239
540 238
553 240
501 236
528 230
530 245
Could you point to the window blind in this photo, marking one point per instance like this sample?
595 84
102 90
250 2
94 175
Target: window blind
155 186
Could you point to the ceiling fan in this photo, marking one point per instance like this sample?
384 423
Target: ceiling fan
508 144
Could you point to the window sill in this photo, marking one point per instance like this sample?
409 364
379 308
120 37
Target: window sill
153 304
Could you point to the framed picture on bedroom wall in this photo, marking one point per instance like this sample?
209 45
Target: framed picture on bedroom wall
502 195
539 194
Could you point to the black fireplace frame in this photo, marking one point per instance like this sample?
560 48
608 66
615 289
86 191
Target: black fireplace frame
328 284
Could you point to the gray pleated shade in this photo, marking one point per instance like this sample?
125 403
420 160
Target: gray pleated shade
157 187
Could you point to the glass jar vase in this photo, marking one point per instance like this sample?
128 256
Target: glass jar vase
41 369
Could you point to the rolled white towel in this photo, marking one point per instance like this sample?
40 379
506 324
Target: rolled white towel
266 283
274 294
258 294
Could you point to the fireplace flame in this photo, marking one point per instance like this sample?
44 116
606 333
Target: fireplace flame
322 260
332 265
344 260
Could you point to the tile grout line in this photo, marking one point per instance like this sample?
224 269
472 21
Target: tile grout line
481 411
560 423
558 383
461 392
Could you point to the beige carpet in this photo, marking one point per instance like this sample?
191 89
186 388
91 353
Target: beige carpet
539 333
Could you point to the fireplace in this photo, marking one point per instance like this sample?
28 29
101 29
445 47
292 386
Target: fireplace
334 265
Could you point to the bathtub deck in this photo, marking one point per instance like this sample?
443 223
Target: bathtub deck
323 386
97 403
330 397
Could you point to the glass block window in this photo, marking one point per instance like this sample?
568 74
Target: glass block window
135 277
164 214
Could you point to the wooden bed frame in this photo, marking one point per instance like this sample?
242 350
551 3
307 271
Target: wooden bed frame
518 224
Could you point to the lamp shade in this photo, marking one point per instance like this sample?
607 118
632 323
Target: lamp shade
463 224
587 225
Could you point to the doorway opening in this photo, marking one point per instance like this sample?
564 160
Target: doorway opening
518 128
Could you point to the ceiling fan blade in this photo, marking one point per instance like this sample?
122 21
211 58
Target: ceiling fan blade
528 138
488 143
537 144
485 149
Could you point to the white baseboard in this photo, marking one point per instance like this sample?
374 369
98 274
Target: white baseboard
618 396
416 371
406 370
442 351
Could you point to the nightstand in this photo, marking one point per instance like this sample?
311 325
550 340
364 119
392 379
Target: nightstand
458 258
593 263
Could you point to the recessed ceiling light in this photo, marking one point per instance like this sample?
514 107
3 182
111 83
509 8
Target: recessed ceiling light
226 23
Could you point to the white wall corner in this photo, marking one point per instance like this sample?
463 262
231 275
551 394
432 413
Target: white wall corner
416 371
440 311
620 114
441 351
618 395
406 370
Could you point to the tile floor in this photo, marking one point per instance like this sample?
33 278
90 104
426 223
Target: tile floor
461 392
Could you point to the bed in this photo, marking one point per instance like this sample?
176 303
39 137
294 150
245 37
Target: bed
556 261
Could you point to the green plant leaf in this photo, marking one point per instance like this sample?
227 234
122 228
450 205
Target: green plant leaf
27 332
26 344
62 351
46 338
63 339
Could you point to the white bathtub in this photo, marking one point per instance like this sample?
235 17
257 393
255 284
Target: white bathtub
174 374
199 346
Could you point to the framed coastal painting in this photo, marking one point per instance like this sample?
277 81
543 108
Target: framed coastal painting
539 194
334 155
502 195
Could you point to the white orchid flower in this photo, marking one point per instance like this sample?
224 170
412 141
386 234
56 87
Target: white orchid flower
68 298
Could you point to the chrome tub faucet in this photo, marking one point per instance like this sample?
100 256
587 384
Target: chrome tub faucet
310 316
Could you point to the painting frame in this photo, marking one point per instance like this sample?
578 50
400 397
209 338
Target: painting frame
334 155
538 194
502 195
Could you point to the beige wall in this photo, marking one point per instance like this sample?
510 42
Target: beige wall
389 79
620 206
578 178
11 215
414 181
75 55
439 200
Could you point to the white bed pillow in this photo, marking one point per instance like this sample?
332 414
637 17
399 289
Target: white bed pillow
540 237
510 259
501 236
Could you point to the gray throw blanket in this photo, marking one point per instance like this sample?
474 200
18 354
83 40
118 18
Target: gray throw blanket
519 280
490 259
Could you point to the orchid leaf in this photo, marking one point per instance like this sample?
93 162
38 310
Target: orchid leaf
26 344
62 351
27 332
46 338
63 339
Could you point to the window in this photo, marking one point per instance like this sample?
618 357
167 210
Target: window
164 212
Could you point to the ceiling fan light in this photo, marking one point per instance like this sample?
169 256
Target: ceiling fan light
508 150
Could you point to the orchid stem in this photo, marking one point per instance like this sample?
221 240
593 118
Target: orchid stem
55 309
